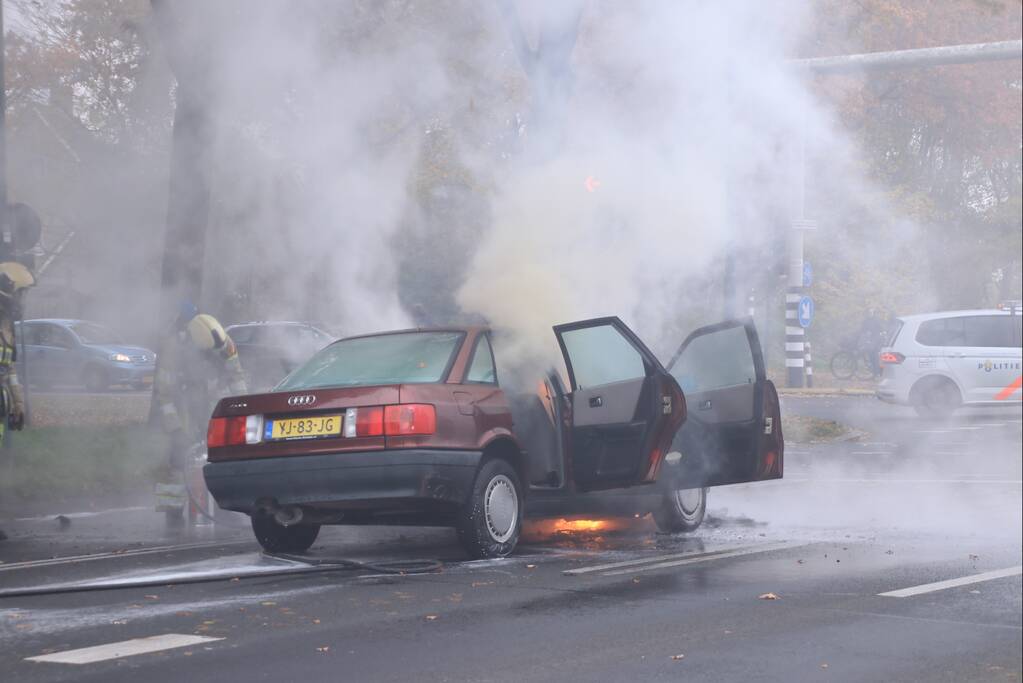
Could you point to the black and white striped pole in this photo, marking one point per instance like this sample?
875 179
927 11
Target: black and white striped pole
796 319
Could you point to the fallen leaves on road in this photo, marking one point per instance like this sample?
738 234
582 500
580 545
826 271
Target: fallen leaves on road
678 657
325 648
769 596
824 666
431 617
152 597
530 566
268 603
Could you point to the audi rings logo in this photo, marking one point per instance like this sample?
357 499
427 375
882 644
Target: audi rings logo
303 400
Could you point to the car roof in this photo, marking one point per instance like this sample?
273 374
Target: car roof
920 317
264 323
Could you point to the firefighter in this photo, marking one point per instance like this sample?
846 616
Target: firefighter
197 365
15 278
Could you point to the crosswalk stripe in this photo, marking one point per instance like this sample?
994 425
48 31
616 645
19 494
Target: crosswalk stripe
124 648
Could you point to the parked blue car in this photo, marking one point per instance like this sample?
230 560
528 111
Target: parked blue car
80 352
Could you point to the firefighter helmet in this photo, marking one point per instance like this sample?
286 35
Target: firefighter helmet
14 276
206 332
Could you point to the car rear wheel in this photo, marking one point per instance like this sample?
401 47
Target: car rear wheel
276 538
935 397
95 379
489 524
682 510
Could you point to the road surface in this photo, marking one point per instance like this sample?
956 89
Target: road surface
892 557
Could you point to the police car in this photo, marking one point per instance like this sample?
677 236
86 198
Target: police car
937 362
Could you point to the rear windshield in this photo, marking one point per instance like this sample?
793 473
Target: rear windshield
407 358
894 327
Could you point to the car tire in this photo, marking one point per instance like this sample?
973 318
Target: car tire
276 538
935 397
682 510
95 380
489 523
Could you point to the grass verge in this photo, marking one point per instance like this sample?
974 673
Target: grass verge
50 463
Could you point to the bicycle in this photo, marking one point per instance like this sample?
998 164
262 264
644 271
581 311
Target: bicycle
853 359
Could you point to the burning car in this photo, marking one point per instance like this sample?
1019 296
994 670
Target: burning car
413 427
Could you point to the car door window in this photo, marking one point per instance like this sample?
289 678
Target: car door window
942 332
481 370
990 330
601 355
241 334
714 361
62 338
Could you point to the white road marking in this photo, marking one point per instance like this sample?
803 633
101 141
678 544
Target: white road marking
656 561
753 550
872 453
931 431
952 583
74 559
990 424
125 648
966 429
646 560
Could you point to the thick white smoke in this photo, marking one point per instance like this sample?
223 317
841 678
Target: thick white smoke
674 147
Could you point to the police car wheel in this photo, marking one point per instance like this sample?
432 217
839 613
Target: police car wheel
682 510
935 397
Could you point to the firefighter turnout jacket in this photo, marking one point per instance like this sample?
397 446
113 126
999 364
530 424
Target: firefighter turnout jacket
190 381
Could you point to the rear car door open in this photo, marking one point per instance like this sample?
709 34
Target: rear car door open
733 430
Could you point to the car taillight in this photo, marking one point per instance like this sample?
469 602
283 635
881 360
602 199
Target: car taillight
365 421
404 419
234 431
407 419
892 358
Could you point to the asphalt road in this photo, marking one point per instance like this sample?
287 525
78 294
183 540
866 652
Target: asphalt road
908 504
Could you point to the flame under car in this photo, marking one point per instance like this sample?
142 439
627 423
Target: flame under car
413 427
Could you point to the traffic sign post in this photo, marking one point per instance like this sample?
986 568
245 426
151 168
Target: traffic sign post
804 312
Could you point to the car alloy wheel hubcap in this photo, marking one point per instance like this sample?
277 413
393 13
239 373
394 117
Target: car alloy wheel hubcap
688 500
501 508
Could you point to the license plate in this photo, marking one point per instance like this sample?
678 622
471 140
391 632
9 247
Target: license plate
304 427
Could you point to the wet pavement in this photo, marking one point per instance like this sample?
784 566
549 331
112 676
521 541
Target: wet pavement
908 505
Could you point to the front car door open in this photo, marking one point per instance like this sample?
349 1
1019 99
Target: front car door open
625 405
733 431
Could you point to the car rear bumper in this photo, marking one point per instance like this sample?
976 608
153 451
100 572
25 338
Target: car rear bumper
892 391
363 480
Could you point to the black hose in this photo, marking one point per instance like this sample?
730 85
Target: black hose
390 567
313 565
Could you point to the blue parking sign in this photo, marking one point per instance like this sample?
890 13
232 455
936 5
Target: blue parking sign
805 311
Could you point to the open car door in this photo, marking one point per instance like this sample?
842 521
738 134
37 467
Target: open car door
733 431
625 406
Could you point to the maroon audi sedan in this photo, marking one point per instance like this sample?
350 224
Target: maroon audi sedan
413 427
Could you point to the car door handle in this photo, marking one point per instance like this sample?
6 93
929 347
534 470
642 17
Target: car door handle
596 401
705 405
